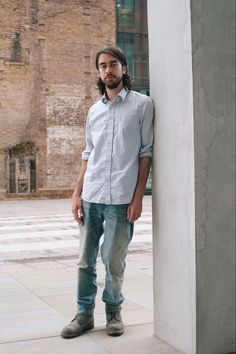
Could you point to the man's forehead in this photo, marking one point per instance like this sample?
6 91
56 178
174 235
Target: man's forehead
107 58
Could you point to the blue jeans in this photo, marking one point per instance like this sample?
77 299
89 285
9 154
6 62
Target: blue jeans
110 220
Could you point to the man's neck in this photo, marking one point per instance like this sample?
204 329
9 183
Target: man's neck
112 93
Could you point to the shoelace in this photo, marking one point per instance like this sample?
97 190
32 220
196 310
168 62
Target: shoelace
113 315
77 317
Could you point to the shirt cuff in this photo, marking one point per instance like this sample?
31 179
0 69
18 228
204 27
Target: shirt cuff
145 152
85 155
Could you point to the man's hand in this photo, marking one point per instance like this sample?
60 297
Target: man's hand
134 210
77 209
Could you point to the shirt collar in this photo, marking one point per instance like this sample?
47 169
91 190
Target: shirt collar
120 97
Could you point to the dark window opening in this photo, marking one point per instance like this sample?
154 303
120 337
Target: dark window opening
12 176
22 177
32 176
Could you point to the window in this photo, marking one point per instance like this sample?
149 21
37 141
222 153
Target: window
127 43
132 37
125 13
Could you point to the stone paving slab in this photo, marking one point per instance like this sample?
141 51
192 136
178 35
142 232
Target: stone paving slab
21 303
137 339
37 296
9 285
55 345
37 299
29 325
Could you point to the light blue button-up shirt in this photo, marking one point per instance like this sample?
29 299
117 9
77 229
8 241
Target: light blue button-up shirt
118 133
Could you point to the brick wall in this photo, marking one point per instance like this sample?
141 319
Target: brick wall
48 82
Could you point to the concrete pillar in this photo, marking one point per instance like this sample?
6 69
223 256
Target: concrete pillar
191 50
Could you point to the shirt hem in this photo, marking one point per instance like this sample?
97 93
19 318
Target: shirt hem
88 200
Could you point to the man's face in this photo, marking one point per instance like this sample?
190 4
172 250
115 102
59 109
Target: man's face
110 71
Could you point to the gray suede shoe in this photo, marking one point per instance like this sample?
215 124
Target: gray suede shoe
115 325
78 325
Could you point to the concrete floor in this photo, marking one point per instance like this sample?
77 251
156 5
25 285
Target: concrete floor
37 298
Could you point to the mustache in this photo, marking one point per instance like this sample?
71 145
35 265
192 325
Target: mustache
110 76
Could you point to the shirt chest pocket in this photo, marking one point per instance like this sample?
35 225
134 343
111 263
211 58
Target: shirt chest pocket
128 124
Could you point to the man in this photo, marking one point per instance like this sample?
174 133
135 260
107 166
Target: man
108 196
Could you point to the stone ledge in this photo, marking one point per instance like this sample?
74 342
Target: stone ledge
19 63
41 194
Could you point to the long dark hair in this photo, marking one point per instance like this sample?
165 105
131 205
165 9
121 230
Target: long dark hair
120 55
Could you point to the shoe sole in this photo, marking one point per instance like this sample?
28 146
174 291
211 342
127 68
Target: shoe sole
115 333
68 336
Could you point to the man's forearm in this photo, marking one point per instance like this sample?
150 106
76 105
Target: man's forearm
135 207
79 184
144 168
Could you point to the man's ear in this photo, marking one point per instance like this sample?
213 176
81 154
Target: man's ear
124 69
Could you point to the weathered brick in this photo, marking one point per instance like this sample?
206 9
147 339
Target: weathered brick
47 84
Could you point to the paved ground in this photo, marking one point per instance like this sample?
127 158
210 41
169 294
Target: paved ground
38 248
45 229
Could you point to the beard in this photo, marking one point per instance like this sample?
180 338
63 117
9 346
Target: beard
112 83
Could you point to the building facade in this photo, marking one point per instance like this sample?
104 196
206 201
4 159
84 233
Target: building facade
48 82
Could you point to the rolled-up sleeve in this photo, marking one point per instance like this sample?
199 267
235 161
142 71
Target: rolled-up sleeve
147 129
89 142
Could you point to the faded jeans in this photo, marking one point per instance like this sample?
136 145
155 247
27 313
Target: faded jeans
110 220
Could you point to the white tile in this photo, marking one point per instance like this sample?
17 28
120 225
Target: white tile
29 325
57 345
11 287
21 303
136 339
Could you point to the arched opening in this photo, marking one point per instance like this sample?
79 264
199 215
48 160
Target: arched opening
21 169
